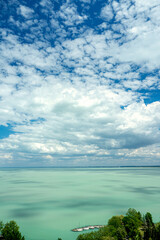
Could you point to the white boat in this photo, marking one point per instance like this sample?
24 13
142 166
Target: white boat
79 229
86 228
91 227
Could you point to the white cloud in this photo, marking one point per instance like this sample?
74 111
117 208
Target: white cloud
146 5
107 12
6 156
70 16
83 122
142 50
25 11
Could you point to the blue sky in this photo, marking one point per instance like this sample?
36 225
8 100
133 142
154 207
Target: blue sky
79 83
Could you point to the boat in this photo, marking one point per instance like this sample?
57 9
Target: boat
86 228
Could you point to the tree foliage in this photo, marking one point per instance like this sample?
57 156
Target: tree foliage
1 225
132 222
131 226
10 231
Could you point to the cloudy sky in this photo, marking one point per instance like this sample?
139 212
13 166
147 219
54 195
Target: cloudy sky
79 82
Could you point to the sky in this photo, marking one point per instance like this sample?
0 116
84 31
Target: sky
79 83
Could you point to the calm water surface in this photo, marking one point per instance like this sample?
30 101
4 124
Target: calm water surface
48 203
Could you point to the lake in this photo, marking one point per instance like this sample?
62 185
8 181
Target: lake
48 202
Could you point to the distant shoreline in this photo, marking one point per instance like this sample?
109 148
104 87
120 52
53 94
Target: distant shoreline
154 166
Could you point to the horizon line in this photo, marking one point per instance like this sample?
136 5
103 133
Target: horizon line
80 166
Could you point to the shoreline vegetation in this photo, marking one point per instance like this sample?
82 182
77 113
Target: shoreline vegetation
132 226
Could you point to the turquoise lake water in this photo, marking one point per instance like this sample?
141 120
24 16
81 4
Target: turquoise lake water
48 202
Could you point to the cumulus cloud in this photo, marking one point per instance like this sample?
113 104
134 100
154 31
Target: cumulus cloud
73 87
